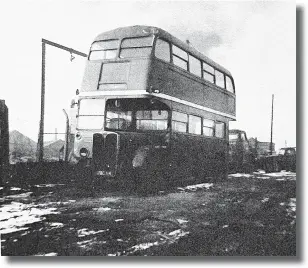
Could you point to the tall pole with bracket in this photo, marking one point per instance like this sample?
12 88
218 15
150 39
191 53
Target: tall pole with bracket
40 144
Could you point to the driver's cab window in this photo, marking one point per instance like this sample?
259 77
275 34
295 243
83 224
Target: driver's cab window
117 117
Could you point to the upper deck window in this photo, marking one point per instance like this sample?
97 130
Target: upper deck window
208 72
102 50
229 84
136 47
219 79
194 66
162 50
180 57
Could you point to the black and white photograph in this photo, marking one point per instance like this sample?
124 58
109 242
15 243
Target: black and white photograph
148 128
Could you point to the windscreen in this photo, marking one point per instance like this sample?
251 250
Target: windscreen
136 47
106 49
136 115
233 137
91 113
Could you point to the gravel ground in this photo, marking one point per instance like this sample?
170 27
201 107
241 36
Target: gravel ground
245 215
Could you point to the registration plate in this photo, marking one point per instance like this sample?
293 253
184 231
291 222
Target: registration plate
103 173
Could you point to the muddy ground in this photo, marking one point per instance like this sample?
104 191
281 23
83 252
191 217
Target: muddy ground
245 215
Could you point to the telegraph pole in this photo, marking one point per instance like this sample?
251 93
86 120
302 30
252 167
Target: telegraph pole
271 144
40 143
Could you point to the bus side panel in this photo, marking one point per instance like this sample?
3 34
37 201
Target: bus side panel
173 81
197 156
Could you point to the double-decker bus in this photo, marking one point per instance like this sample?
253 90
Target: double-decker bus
151 104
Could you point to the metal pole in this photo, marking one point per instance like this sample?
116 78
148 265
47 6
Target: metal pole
271 144
66 136
40 144
73 51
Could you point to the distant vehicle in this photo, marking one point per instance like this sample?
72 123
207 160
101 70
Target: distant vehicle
242 157
151 103
285 160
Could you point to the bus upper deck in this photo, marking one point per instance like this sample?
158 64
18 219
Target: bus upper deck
149 61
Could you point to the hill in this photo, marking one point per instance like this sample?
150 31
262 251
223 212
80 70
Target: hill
22 148
51 151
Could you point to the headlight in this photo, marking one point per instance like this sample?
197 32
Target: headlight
83 152
78 136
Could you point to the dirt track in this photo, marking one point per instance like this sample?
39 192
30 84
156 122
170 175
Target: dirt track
244 215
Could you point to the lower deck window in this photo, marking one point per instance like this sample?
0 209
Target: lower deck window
151 120
194 124
220 129
208 127
179 121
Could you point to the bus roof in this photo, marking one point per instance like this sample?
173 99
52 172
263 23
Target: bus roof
141 30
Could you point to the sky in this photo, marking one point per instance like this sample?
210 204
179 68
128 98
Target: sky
254 40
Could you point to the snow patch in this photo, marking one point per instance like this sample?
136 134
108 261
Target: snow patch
196 187
16 215
104 209
17 196
84 232
180 221
15 188
238 175
48 185
85 243
48 254
263 178
144 246
281 174
169 238
56 224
